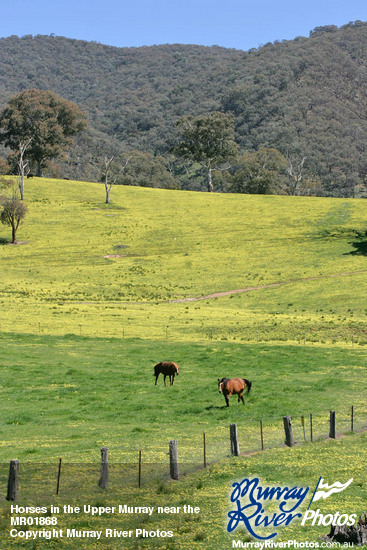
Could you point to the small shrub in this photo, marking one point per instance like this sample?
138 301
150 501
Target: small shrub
199 535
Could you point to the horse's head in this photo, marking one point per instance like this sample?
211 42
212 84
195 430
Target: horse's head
220 384
177 366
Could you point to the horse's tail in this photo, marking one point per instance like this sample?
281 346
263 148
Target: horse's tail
157 369
248 384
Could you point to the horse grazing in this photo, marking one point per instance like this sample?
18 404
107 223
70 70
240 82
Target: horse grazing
167 368
237 385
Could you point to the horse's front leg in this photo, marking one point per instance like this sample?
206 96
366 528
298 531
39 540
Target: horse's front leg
165 379
173 377
156 378
226 399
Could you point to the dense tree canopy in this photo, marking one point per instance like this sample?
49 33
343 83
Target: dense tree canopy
45 120
146 170
260 172
305 97
208 140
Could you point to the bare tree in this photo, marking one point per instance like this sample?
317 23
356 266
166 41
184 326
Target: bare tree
109 177
295 172
110 174
22 165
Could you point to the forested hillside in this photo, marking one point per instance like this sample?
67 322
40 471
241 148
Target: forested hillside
305 97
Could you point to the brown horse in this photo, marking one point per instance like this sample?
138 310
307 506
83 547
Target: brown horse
227 387
167 368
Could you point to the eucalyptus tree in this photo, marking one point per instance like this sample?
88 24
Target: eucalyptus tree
44 121
259 172
207 140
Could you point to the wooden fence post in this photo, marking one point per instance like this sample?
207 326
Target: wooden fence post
139 476
311 433
173 459
332 431
13 481
303 426
235 448
352 420
289 439
261 435
58 477
103 480
204 449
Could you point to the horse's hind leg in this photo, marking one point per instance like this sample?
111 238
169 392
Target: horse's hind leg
241 397
165 380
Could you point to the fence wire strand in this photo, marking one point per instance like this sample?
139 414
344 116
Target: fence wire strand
38 481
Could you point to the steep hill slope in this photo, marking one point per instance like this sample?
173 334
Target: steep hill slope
307 97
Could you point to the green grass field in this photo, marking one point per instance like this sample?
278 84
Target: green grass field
95 295
68 396
207 489
172 245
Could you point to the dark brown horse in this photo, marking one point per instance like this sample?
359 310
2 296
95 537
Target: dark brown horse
237 385
167 368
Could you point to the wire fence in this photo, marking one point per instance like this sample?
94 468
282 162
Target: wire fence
37 482
279 333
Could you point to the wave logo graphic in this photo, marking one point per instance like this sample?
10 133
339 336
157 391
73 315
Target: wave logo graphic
323 490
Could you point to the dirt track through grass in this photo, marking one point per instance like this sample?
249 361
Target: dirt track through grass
250 288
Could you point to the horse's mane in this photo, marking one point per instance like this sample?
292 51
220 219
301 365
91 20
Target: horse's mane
223 380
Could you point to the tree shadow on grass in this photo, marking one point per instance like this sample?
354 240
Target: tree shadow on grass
360 247
4 241
359 243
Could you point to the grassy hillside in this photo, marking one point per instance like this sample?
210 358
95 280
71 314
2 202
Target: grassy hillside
91 269
90 301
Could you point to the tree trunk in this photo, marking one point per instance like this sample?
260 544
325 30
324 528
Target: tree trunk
108 200
21 186
210 182
39 169
14 235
